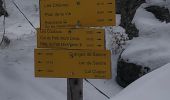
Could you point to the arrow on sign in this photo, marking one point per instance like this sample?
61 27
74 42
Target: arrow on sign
99 45
39 70
99 39
39 62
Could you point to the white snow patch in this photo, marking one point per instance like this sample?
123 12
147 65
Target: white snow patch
156 2
153 86
151 48
16 24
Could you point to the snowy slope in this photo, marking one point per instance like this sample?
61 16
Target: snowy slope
153 86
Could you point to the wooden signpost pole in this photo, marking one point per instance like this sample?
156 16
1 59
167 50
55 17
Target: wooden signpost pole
75 86
74 89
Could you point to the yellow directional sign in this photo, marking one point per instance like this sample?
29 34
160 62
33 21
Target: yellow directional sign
70 13
71 38
55 63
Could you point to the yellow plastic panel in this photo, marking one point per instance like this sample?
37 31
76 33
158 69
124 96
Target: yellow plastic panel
71 38
55 63
70 13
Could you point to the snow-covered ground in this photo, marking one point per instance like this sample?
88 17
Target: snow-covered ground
151 48
16 24
153 86
17 81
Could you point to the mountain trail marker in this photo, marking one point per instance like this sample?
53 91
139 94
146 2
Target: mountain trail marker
71 38
75 63
70 13
67 46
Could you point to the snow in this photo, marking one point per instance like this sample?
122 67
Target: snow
153 86
115 35
151 48
162 3
156 2
16 24
17 81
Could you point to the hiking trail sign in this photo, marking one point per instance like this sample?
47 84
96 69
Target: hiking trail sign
70 13
59 63
71 38
68 47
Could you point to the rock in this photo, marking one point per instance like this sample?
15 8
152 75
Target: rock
141 56
118 8
2 10
129 72
4 42
160 13
132 31
147 52
128 10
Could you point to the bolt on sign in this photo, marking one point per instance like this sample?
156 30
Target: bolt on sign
70 13
59 63
71 38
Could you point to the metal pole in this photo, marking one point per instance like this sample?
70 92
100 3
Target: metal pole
74 89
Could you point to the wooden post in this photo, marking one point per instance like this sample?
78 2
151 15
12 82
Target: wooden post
74 89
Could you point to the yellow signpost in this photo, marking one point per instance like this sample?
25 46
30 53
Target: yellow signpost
58 63
71 38
66 51
70 13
